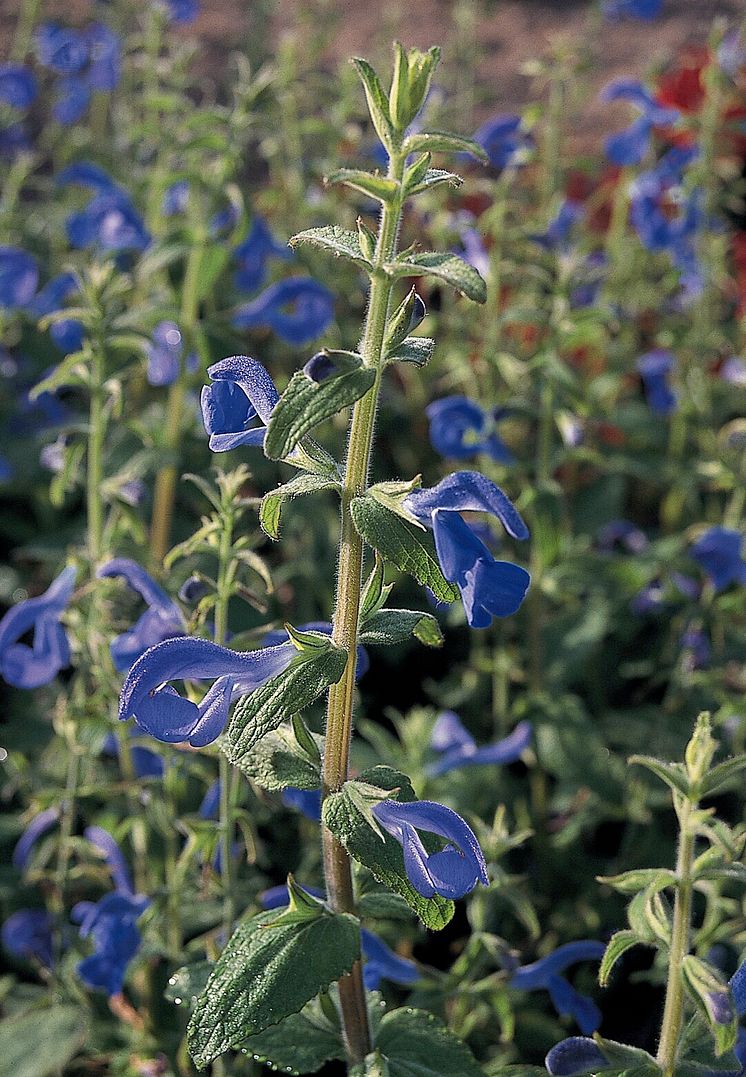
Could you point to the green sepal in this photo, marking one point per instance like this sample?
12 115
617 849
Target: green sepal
277 762
618 944
275 702
305 403
416 1042
407 316
704 984
339 241
409 547
413 73
444 142
446 267
373 1065
267 971
388 627
382 855
378 106
417 350
367 239
301 906
376 590
372 184
631 1061
270 510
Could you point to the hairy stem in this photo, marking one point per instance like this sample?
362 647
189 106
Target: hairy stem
337 867
225 825
682 916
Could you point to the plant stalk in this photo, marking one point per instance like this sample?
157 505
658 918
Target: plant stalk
682 916
225 824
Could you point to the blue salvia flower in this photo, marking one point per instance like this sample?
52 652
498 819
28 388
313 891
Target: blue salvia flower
110 221
504 140
575 1055
145 763
591 276
182 12
306 801
557 236
30 667
297 309
489 588
621 533
697 648
630 146
473 249
460 428
459 749
161 620
165 354
18 86
654 368
650 599
253 254
87 174
87 61
62 50
39 825
67 334
632 9
19 276
546 974
164 714
105 844
718 553
452 872
28 934
237 406
175 198
279 635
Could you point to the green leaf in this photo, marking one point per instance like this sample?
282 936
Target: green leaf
417 1044
376 590
711 992
272 504
188 983
371 183
383 858
299 1044
629 1060
673 774
378 106
629 882
71 371
446 267
340 241
618 944
276 763
306 403
417 350
721 774
275 702
266 972
434 177
383 905
387 627
410 548
41 1041
444 142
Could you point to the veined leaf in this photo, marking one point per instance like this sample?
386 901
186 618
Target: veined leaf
299 1044
273 501
417 350
415 1042
276 763
340 241
446 267
618 944
387 627
434 177
444 142
371 183
378 105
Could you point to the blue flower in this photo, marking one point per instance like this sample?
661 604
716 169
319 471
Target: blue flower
237 406
546 973
253 254
39 825
460 428
630 146
311 310
87 61
503 140
453 871
557 235
28 933
210 805
62 50
87 174
161 620
67 334
175 198
165 355
654 368
718 553
649 600
30 667
19 276
182 12
667 219
697 648
306 801
145 763
105 844
733 370
473 249
575 1055
18 86
161 711
110 222
632 9
488 587
621 533
459 749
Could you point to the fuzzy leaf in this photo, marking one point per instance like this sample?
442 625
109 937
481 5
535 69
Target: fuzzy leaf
444 142
299 1044
387 627
417 350
383 858
417 1044
630 882
370 183
276 762
340 241
446 267
434 177
266 972
273 501
410 548
673 774
721 774
378 105
618 944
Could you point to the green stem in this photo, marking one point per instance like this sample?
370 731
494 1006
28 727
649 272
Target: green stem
226 825
682 916
24 30
337 867
96 437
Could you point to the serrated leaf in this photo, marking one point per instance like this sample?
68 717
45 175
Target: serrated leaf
417 350
378 105
416 1044
434 177
673 774
306 403
266 972
41 1042
444 142
388 627
276 701
340 241
383 858
299 1044
618 944
446 267
410 548
371 183
276 763
272 504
